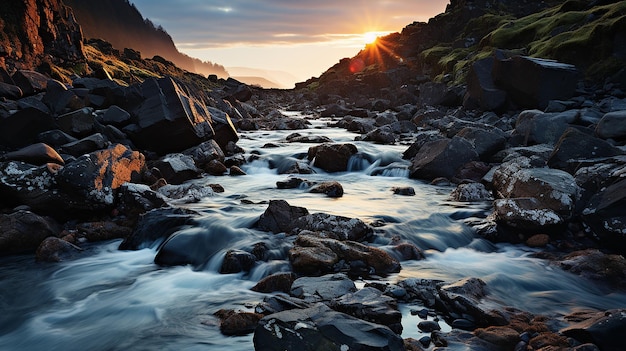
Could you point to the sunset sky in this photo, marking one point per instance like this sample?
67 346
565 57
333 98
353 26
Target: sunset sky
303 38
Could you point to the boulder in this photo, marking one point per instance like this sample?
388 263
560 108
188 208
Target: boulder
471 192
157 225
22 128
332 157
205 152
604 214
79 123
464 296
574 146
96 177
169 120
612 125
371 305
536 127
225 130
177 168
30 82
596 265
313 255
527 213
336 227
35 154
279 216
485 142
320 328
236 261
277 282
116 116
532 82
55 138
442 158
331 189
85 145
136 199
382 135
58 97
101 231
24 231
503 338
481 89
186 193
10 91
604 329
236 322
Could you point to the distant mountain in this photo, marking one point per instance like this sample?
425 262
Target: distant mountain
282 79
258 81
120 23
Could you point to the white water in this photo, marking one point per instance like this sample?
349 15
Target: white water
121 300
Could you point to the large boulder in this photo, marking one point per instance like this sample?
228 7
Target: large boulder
280 216
169 120
157 225
536 127
442 158
323 288
481 89
96 177
321 328
532 82
22 128
485 142
30 82
575 146
332 157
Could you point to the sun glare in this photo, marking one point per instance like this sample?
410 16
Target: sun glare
370 37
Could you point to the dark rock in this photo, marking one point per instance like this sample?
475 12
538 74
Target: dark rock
371 305
24 231
279 216
58 97
463 297
504 338
383 135
526 213
538 240
428 326
405 191
55 138
442 158
79 123
406 251
205 152
604 329
336 227
595 265
236 171
481 89
22 128
324 288
136 199
536 127
332 157
533 82
116 116
30 82
280 302
157 225
485 142
318 328
10 91
424 290
97 176
315 255
53 249
237 323
573 146
604 214
216 168
177 168
236 261
290 183
185 193
612 125
102 231
331 189
85 145
313 139
36 154
169 119
276 282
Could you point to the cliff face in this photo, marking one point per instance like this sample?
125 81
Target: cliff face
35 31
121 24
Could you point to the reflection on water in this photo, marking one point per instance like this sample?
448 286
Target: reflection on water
120 300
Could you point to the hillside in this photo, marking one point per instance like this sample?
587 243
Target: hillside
120 23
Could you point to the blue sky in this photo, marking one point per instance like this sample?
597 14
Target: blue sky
300 37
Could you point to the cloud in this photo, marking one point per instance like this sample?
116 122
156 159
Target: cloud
197 24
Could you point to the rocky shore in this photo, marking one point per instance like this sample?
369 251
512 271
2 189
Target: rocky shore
96 158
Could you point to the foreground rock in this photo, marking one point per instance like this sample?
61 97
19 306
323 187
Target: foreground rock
320 328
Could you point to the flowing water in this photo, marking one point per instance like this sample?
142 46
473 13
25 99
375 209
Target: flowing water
120 300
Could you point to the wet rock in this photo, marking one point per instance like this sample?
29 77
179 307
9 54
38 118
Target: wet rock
485 142
157 225
332 157
314 255
216 168
313 139
276 282
604 214
280 302
319 327
383 135
236 322
612 125
35 154
279 216
596 265
538 240
405 191
424 290
97 176
442 158
53 249
406 251
323 288
177 168
336 227
470 192
574 146
463 297
604 329
136 199
290 183
205 152
371 305
331 189
525 213
501 337
236 261
428 326
24 231
537 127
101 231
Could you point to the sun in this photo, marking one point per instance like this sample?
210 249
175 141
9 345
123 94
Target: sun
370 37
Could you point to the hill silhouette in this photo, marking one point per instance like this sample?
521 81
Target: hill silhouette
120 23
